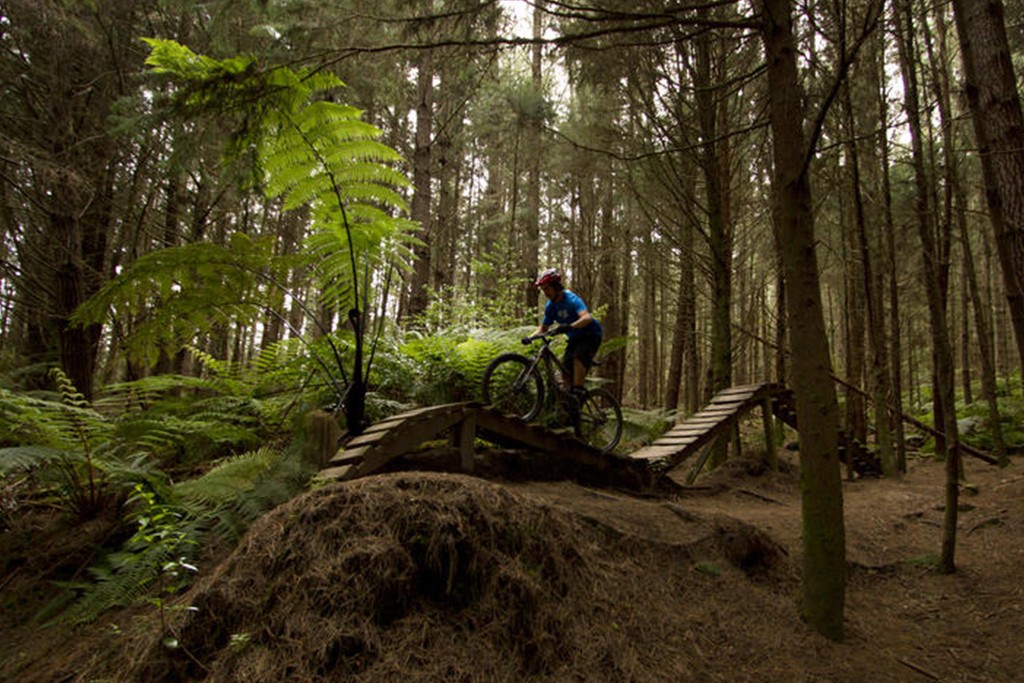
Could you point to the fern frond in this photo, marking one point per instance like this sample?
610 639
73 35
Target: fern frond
176 293
28 420
113 588
23 458
229 479
116 399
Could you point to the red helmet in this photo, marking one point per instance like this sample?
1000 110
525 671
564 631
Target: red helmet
549 276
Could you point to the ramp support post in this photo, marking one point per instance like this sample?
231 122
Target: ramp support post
464 437
767 418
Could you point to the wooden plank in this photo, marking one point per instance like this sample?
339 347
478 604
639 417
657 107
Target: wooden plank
389 422
730 409
371 437
654 452
340 473
707 421
691 427
384 425
735 392
756 391
345 458
348 455
523 434
704 417
680 442
727 401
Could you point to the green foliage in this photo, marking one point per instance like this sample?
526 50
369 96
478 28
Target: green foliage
173 295
159 551
926 561
305 150
66 445
229 480
1011 419
641 427
87 458
464 310
973 418
448 367
181 421
311 152
173 523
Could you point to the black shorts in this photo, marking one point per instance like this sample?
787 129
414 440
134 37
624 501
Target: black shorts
582 346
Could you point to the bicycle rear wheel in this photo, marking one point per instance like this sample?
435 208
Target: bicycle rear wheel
513 386
600 420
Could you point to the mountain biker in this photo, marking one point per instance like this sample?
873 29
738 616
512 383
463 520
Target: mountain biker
569 313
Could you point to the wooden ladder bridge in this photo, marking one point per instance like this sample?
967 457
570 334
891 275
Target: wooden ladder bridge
404 433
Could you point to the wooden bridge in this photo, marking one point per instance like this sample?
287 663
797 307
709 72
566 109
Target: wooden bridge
463 422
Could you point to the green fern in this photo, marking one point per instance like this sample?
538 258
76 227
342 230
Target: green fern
164 540
173 295
173 523
311 152
228 479
64 443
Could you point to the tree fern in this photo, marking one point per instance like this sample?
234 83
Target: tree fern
174 295
310 152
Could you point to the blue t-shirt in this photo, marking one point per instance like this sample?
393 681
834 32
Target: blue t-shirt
567 311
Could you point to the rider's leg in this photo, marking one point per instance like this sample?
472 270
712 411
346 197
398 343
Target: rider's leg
579 372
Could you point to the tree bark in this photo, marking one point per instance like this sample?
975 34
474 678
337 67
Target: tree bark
534 123
942 353
999 129
824 535
419 209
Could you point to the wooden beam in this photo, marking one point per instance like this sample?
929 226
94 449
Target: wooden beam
771 457
464 437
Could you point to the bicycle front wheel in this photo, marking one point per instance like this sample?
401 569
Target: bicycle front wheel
513 386
600 420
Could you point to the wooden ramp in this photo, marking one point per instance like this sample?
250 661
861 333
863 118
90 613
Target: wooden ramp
406 432
399 434
860 458
644 469
717 419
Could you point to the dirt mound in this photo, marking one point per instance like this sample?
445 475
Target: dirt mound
444 577
427 576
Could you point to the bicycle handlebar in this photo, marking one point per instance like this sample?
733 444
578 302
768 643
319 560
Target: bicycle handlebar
543 336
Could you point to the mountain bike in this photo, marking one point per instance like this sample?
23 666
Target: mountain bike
514 384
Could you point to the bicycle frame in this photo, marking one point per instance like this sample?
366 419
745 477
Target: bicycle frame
552 363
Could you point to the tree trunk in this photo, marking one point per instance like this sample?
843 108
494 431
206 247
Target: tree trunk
895 336
534 123
999 129
714 163
824 535
684 331
942 353
420 206
871 287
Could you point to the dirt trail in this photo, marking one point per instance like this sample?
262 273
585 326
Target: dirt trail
417 576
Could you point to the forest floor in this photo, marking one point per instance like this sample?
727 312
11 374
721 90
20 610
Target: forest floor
426 576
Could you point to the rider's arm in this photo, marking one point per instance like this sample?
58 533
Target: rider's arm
582 321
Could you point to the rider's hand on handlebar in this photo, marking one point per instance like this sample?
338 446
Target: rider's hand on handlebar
526 340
